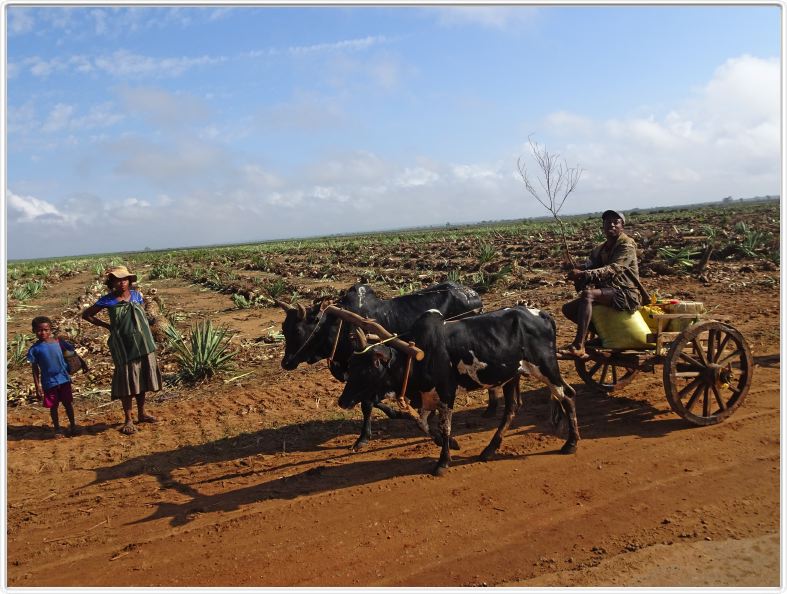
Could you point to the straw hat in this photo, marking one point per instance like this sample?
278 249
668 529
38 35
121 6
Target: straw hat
122 272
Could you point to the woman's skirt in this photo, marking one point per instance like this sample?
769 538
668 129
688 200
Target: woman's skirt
136 377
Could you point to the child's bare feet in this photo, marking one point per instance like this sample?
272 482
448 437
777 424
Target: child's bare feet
147 419
57 433
74 431
128 429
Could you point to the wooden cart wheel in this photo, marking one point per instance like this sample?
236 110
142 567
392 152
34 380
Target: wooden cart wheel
707 372
603 375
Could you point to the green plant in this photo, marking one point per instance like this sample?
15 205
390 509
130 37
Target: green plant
486 280
260 262
455 276
205 353
680 257
164 270
276 288
17 350
243 302
752 241
28 290
405 289
486 253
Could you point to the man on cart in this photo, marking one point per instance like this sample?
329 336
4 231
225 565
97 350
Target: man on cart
609 277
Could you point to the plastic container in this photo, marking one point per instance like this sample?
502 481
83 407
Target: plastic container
621 329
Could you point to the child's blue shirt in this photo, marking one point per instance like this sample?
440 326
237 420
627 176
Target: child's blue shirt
49 358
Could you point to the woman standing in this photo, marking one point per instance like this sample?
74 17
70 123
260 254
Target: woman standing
130 342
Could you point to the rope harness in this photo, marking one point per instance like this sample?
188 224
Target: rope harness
335 342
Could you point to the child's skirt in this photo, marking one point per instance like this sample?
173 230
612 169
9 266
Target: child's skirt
136 377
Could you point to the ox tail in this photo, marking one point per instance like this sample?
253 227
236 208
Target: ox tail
558 417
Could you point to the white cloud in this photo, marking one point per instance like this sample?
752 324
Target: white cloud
122 64
168 110
416 176
20 20
192 189
491 17
335 46
475 172
26 209
724 139
58 118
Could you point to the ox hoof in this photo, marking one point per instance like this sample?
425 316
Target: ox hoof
486 455
359 445
453 444
569 448
440 470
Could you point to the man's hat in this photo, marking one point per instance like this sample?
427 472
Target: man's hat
122 272
613 213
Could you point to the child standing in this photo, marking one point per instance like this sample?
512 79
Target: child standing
50 373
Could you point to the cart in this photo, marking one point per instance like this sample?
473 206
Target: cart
707 366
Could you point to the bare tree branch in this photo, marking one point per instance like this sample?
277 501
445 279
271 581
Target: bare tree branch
557 181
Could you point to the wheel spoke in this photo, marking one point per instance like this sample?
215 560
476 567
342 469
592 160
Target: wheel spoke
732 355
699 351
687 388
722 344
603 373
719 399
693 400
594 369
614 375
711 340
691 360
705 401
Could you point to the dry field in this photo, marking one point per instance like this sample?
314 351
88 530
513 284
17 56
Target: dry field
247 480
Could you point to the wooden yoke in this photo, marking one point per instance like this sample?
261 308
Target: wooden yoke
371 326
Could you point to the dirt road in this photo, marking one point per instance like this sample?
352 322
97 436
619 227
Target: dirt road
250 483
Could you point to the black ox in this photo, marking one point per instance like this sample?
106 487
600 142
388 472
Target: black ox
484 351
311 336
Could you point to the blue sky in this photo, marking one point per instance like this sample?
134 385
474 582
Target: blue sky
163 127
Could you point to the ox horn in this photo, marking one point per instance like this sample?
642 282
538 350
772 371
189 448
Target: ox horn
361 338
284 306
301 311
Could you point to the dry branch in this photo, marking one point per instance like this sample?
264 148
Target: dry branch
557 182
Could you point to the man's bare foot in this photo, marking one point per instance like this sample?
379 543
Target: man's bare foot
574 351
147 419
128 429
57 433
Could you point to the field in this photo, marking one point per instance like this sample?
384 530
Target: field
247 479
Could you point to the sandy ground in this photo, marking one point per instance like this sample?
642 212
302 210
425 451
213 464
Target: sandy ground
250 483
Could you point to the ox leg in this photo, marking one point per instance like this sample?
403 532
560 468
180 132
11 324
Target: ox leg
391 413
511 393
435 433
366 428
491 403
566 407
570 408
446 412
